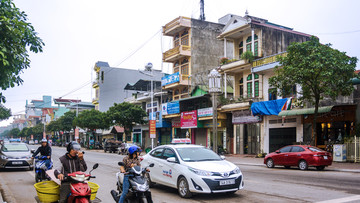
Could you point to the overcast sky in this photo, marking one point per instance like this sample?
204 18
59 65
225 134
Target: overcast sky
126 34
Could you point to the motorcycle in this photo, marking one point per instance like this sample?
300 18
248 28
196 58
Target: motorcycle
80 190
139 190
41 168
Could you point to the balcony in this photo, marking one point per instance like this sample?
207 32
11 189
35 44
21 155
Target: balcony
176 26
176 53
235 67
95 84
95 101
174 80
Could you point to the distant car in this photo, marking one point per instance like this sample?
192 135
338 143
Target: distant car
302 156
192 169
111 145
31 142
16 155
125 149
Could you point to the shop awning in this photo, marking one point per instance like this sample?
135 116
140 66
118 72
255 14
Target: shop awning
295 112
272 107
235 107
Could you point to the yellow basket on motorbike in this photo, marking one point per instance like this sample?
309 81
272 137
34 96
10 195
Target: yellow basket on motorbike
47 191
94 188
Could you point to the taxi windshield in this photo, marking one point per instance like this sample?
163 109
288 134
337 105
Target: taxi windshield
197 154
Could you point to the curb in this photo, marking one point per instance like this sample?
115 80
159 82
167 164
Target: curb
328 169
6 195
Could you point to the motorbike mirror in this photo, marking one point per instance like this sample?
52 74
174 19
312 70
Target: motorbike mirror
121 163
151 165
95 166
33 151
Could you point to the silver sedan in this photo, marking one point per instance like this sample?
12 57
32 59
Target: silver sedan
16 155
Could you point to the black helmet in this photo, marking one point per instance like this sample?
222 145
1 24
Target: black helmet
73 145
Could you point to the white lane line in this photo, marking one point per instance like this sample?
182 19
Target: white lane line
345 199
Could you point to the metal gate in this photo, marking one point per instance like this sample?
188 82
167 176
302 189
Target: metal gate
280 137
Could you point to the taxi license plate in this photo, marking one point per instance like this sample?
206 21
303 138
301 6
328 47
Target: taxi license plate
16 162
325 157
227 182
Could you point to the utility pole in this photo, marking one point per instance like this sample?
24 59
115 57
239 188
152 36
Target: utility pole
202 12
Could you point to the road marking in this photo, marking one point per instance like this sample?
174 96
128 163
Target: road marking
345 199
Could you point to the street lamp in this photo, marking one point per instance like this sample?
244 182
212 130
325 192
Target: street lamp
148 67
214 88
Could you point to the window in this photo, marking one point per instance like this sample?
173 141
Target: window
285 149
102 76
157 152
241 48
241 87
290 93
168 153
256 45
272 94
297 149
185 38
249 85
176 40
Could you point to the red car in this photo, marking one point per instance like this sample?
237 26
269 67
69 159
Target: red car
302 156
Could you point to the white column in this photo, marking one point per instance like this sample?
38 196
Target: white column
225 85
253 84
225 47
252 41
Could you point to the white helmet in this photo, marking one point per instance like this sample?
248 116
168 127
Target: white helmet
44 140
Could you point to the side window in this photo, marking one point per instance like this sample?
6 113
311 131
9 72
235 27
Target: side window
168 153
157 153
285 149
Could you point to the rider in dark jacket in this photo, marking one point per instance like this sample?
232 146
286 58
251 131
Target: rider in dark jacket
44 150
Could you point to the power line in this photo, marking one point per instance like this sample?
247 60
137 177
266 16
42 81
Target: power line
338 33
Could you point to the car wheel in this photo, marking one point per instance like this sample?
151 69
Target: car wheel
287 167
303 165
151 184
270 163
320 168
183 188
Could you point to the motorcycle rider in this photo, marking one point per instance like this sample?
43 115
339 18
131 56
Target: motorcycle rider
71 162
44 150
130 161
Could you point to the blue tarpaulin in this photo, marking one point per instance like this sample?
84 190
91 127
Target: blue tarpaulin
272 107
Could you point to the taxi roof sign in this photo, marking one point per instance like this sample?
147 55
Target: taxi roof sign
181 141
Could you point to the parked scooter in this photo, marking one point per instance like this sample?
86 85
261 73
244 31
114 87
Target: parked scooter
139 190
41 168
80 190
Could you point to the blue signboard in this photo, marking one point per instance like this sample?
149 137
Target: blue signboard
173 78
173 107
160 123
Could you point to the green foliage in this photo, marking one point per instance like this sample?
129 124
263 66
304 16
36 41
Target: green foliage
320 71
126 114
4 113
16 35
14 132
91 119
248 55
224 60
66 122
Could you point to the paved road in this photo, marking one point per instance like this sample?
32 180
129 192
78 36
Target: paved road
261 184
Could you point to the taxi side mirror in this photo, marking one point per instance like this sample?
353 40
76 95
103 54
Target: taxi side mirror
171 160
32 151
222 157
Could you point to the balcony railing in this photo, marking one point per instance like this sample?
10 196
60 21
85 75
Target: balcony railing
176 25
176 53
95 101
95 84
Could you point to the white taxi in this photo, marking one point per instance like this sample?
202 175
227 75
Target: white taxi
192 169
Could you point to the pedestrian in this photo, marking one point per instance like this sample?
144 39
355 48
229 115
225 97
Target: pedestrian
71 162
129 162
44 150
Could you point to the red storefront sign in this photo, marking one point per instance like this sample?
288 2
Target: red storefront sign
152 128
189 119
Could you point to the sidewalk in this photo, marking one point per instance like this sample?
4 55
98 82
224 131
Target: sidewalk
251 160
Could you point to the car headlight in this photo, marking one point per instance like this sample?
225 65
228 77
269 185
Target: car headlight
236 170
200 172
4 157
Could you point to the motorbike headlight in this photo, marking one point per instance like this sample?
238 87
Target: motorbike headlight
141 187
236 170
200 172
4 157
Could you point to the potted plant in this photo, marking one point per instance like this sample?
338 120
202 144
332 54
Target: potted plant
224 60
248 55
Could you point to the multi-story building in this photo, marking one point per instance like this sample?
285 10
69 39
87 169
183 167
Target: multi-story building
110 83
194 53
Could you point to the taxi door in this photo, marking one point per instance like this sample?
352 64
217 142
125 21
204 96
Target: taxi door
170 170
156 171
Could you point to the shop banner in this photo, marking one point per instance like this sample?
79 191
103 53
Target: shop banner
152 128
170 108
175 123
189 119
173 78
244 116
76 133
205 112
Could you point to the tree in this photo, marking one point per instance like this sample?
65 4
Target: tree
4 113
15 132
16 35
67 121
318 69
91 119
126 115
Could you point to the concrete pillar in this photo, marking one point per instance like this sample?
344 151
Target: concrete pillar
225 85
225 47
